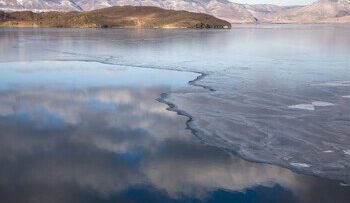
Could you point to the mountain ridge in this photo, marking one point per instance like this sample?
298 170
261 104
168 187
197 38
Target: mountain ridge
323 11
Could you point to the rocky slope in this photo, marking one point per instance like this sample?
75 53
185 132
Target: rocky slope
118 16
223 9
323 11
39 5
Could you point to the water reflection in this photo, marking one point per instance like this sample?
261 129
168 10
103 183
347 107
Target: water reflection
114 142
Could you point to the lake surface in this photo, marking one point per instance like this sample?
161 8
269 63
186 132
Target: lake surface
84 117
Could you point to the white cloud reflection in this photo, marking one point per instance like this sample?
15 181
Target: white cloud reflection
110 140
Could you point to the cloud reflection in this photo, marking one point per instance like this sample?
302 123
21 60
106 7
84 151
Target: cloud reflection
100 142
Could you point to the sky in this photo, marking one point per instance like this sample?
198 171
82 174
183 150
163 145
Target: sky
276 2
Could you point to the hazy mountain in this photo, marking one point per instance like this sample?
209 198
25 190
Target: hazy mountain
39 5
321 11
264 8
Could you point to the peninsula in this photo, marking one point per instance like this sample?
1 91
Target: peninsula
113 17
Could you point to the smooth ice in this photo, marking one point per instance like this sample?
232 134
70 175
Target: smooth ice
251 79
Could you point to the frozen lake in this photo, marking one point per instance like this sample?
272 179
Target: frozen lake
81 117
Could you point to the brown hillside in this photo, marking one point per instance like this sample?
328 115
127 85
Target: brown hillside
118 16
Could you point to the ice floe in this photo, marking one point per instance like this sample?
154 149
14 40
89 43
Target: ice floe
321 103
347 152
328 151
346 96
301 165
335 84
309 107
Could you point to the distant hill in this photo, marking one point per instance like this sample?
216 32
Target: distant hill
323 11
118 16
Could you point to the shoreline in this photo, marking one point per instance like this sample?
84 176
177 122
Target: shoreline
233 26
